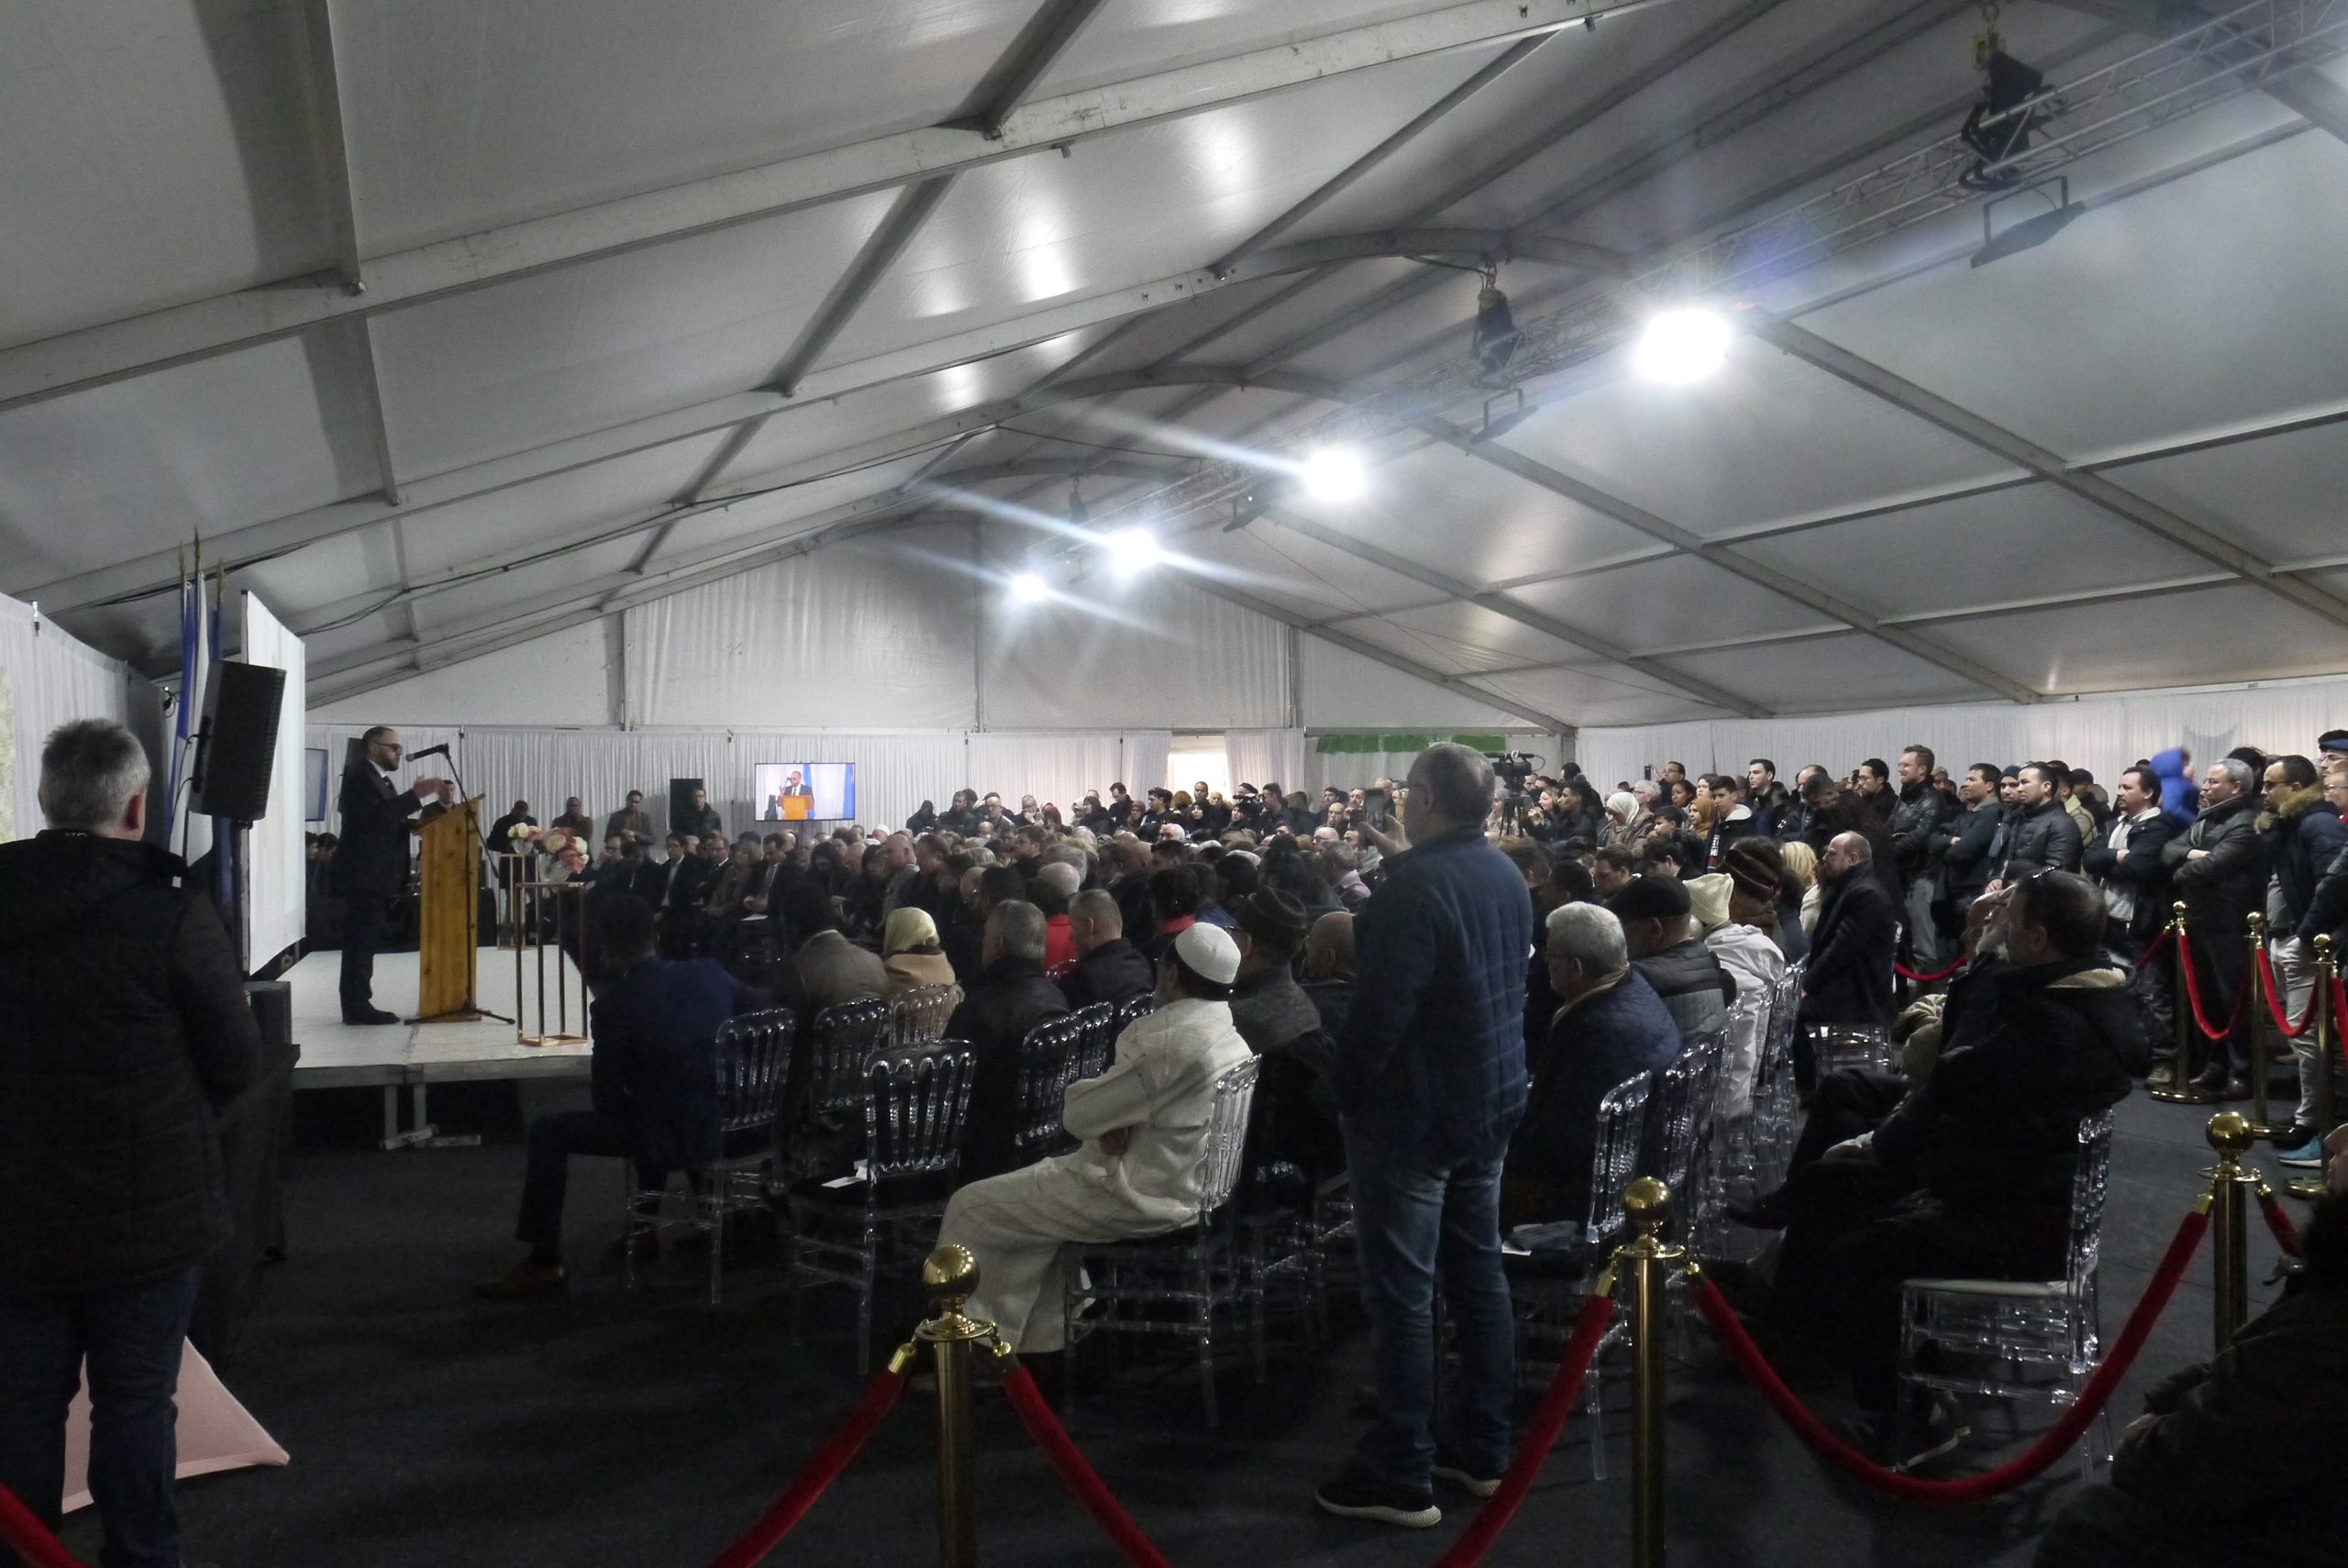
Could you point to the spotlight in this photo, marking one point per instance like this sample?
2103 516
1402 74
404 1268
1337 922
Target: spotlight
1079 515
1334 473
1029 588
1135 549
1681 345
1495 338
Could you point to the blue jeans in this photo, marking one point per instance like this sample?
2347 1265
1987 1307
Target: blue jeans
131 1335
1414 1218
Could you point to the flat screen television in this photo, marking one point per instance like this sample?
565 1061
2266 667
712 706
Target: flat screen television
805 792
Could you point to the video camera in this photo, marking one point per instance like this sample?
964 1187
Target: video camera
1513 768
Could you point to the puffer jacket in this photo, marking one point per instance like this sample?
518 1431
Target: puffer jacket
124 1028
2025 1054
2303 838
2222 888
2042 838
1915 823
1432 1056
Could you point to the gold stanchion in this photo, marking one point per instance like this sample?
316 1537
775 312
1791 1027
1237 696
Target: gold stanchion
2229 1184
2181 1089
2323 1027
949 1276
2262 1124
1646 1203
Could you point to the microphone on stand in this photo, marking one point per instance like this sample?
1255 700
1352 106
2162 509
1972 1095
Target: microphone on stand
441 750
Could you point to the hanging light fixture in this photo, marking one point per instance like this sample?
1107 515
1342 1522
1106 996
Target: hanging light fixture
1495 338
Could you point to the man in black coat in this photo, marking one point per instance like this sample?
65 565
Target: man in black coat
371 868
1108 968
1849 977
700 820
1915 826
2044 835
124 1030
1008 997
2217 869
1971 1177
1968 840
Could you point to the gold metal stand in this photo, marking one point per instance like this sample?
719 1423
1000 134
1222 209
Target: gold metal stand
2230 1182
2181 1089
950 1276
1647 1262
2325 1029
529 903
2261 1123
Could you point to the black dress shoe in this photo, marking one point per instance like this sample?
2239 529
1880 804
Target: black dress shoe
368 1015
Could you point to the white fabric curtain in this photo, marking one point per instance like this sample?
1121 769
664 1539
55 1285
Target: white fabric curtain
2102 734
46 680
1265 756
852 634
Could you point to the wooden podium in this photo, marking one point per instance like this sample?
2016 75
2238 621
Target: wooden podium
448 940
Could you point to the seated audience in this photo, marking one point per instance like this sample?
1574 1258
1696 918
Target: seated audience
1849 978
823 968
1144 1124
911 957
1971 1177
652 1075
1107 968
1757 897
1327 969
1611 1026
1746 951
1058 883
1009 996
1268 1007
1665 947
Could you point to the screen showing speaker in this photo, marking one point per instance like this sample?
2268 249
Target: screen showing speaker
805 791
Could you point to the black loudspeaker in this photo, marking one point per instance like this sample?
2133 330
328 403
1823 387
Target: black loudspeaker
682 818
238 743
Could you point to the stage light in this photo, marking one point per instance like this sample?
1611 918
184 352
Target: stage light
1135 549
1029 588
1682 346
1494 339
1334 473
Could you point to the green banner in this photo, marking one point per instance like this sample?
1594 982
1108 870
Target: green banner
1335 744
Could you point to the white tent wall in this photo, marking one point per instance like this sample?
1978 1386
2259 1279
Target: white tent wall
277 884
560 679
1265 756
1343 689
48 679
2101 733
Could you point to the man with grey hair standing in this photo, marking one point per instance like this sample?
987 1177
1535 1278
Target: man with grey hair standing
124 1028
1430 1077
2220 872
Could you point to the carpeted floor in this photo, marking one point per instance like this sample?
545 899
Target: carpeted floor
642 1429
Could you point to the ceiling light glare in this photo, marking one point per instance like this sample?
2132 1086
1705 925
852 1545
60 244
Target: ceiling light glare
1334 473
1029 588
1682 346
1135 549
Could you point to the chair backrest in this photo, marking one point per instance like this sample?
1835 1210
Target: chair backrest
1865 1046
1784 999
1744 1046
920 1015
753 1063
916 1107
1101 1027
1139 1007
1226 1141
1054 1054
1614 1159
2088 1183
843 1038
1690 1088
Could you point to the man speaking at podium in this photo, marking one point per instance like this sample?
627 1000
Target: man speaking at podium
371 868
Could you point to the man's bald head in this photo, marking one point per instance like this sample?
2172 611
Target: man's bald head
1329 947
1845 853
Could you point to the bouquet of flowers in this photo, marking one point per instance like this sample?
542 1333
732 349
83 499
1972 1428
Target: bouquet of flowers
559 844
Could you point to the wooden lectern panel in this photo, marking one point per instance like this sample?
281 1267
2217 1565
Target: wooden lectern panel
449 944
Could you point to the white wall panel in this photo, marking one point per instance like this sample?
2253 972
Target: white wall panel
50 680
276 883
560 679
1345 691
877 631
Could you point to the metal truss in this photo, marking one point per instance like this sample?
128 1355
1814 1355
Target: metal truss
2242 51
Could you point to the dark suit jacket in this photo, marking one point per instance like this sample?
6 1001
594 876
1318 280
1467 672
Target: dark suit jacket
1604 1040
374 858
1114 972
2144 871
1849 978
654 1060
689 890
1009 998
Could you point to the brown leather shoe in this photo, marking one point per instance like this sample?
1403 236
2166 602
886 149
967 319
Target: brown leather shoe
526 1279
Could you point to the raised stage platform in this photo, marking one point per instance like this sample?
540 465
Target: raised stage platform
335 1054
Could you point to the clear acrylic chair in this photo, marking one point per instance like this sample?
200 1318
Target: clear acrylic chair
824 1132
1729 1163
751 1058
1553 1267
1777 1102
1054 1054
2010 1340
916 1107
1176 1284
1139 1007
1682 1121
1867 1045
919 1015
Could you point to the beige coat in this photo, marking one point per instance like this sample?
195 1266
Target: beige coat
911 971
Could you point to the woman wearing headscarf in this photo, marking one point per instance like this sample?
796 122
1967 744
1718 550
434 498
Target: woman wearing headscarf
913 955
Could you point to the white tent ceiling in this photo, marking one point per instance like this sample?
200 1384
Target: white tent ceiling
651 291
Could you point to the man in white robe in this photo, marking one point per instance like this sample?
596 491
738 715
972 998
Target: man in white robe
1144 1123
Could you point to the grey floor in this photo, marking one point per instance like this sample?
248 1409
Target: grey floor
642 1429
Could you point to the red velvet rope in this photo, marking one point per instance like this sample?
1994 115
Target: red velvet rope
2200 1017
2287 1233
1077 1474
30 1538
1905 973
2275 1001
2026 1466
2159 949
816 1475
1540 1437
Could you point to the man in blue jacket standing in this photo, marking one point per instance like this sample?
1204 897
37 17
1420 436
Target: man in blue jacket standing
1430 1077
